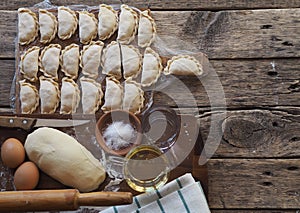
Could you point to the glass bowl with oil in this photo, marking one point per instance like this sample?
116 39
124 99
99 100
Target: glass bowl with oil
146 168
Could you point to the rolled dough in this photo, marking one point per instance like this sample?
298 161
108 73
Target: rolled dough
63 158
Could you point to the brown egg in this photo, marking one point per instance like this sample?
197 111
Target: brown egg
26 176
12 153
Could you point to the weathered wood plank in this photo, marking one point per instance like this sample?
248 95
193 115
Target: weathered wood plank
251 83
7 68
224 34
168 5
244 82
253 211
232 34
14 5
8 33
254 183
251 133
6 110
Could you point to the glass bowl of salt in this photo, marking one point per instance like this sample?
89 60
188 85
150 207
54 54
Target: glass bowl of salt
118 131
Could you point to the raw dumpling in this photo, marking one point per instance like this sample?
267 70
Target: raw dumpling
146 30
67 22
70 96
183 65
48 26
91 95
49 95
27 26
128 25
107 21
152 67
49 60
113 95
131 61
29 97
29 65
90 59
70 60
111 60
133 99
87 27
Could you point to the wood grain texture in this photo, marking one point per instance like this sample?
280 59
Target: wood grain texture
256 166
232 34
243 82
7 68
253 211
8 33
253 133
253 183
223 34
65 199
169 5
248 83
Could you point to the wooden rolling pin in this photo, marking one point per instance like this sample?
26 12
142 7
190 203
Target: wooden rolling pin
65 199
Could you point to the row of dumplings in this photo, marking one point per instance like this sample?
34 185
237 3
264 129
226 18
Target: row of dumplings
127 62
117 60
128 96
69 59
90 59
128 23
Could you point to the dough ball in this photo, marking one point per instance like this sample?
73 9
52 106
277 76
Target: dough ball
64 159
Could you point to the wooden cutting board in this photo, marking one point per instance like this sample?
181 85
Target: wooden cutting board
86 136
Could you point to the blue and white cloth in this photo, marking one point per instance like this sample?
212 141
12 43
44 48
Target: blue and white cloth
178 196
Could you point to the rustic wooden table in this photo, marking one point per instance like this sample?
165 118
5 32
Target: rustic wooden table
254 48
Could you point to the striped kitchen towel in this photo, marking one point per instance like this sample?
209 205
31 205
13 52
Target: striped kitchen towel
178 196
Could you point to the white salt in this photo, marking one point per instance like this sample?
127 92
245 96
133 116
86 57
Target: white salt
119 135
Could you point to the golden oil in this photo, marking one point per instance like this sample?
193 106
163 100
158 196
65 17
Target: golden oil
146 168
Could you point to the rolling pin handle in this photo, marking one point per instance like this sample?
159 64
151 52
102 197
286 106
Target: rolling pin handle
104 198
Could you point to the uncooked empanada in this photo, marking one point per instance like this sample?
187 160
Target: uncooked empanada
131 61
152 67
70 60
27 26
29 65
69 96
107 21
183 65
133 99
29 97
49 95
49 60
111 60
146 30
87 27
113 95
48 26
90 59
128 24
67 22
91 95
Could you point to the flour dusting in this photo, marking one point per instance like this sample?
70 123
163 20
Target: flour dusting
119 135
